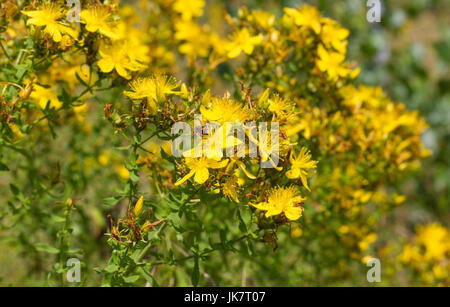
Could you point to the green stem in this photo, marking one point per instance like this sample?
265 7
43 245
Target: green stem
202 254
144 251
62 241
5 52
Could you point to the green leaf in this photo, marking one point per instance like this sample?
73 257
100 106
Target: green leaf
148 277
21 70
58 219
174 218
124 147
134 177
133 158
242 225
112 201
14 189
46 248
165 156
131 279
81 80
73 251
3 167
111 268
172 206
154 236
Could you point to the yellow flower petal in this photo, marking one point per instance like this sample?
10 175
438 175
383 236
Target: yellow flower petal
182 180
293 213
201 175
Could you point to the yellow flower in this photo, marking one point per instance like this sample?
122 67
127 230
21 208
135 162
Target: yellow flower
410 254
283 108
441 271
66 42
333 35
357 97
49 15
283 200
104 158
263 100
436 240
398 199
134 40
241 165
122 171
224 110
262 18
264 144
45 95
242 41
299 164
369 239
230 188
117 56
296 231
98 18
332 63
199 168
189 9
153 88
307 16
195 40
362 195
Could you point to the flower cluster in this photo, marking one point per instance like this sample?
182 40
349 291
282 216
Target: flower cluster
428 253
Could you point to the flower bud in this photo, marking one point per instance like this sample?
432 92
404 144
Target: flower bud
139 206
